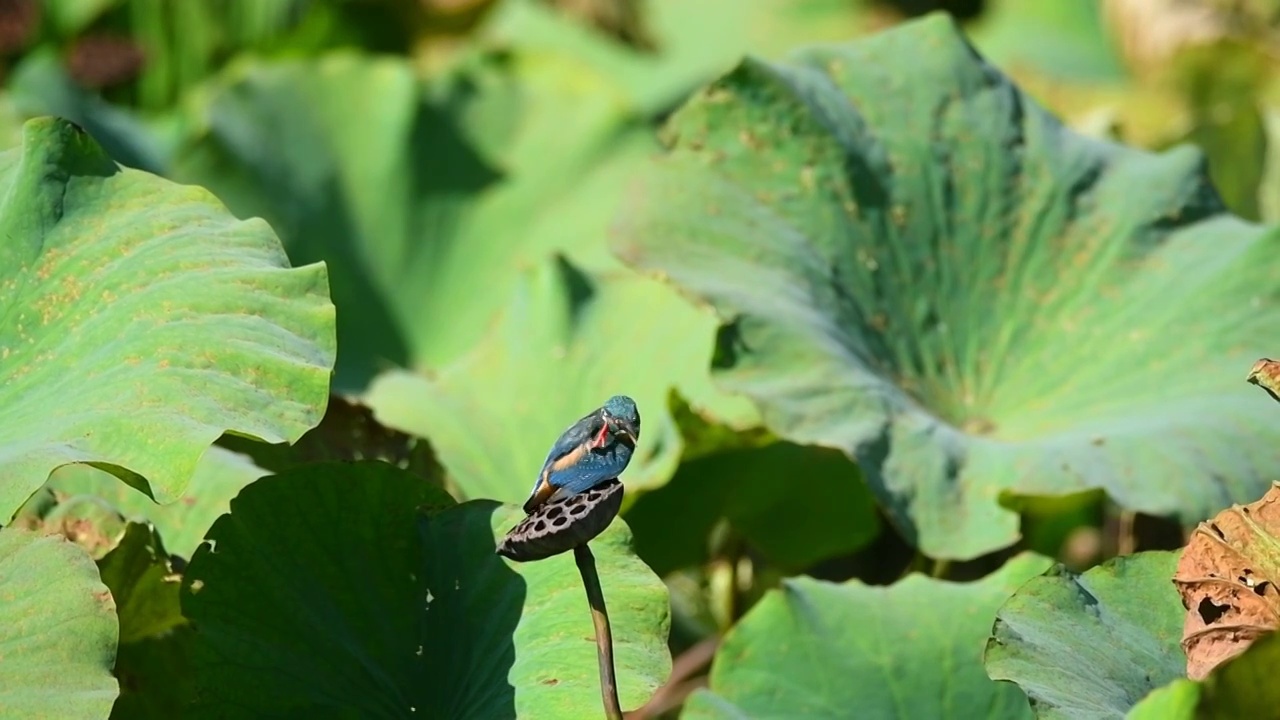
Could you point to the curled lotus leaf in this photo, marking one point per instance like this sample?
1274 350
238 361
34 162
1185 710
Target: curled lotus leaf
564 524
1227 578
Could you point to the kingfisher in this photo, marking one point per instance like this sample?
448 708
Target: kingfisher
594 449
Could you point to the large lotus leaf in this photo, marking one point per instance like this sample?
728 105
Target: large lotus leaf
58 630
141 321
793 505
566 343
919 266
218 476
1091 645
816 649
356 604
427 208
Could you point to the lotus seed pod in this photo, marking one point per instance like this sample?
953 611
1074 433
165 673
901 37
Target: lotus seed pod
561 525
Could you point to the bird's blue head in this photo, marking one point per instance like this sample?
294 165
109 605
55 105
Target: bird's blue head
623 417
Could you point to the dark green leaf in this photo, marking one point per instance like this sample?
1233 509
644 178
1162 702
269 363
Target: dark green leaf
356 604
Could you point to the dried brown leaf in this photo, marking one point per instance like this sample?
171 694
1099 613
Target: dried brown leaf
1266 375
1227 577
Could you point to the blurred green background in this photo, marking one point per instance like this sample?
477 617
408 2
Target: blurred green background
462 166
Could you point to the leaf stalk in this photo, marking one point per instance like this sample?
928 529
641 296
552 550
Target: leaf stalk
604 636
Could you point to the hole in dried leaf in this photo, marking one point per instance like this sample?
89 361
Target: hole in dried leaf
578 510
540 526
554 512
1210 611
560 521
1218 530
1261 588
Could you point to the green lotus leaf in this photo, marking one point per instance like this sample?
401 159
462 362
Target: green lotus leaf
816 649
426 212
290 596
567 342
58 630
142 320
919 266
1092 645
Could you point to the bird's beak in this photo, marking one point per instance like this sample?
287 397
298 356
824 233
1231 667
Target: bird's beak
627 432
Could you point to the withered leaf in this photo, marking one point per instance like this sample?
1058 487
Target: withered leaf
1227 577
1266 374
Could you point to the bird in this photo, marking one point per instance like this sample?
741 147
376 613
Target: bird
594 449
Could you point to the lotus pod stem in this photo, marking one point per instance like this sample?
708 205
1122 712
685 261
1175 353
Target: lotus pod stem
569 524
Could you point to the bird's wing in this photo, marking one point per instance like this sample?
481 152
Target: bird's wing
577 436
567 451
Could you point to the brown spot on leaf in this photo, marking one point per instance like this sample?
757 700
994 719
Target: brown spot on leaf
551 681
1226 578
